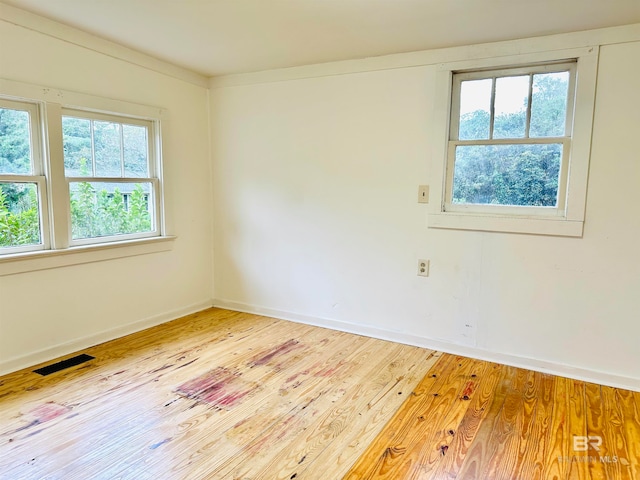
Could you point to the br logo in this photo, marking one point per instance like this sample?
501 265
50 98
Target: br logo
583 443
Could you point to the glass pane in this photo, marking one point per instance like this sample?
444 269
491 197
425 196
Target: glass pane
19 215
108 148
76 140
135 151
475 104
510 114
524 175
101 209
549 104
15 143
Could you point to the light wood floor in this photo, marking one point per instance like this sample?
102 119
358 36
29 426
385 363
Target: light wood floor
226 395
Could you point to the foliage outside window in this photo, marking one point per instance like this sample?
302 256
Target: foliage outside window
511 141
19 215
510 138
110 181
20 166
106 162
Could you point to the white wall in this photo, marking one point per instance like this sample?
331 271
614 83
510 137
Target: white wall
50 312
316 218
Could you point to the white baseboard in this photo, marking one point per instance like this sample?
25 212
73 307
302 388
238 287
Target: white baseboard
577 373
34 358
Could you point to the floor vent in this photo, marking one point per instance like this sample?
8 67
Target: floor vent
69 362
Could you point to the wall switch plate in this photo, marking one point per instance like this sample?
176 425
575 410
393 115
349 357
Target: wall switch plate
423 193
423 268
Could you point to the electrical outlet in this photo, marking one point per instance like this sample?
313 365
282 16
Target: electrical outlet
423 193
423 268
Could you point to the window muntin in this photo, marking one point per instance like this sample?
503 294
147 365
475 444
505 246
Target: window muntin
22 185
509 140
113 186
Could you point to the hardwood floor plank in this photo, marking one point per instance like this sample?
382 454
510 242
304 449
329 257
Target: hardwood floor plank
476 457
631 428
559 454
595 428
452 461
534 431
615 441
430 453
540 433
577 425
495 456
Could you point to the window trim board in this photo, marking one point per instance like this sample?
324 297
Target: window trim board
11 264
571 222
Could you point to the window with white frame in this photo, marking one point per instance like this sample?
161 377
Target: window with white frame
112 182
23 197
75 177
510 131
517 144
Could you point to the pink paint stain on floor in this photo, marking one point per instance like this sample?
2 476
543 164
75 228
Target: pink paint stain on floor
42 414
219 387
330 370
294 377
282 349
48 411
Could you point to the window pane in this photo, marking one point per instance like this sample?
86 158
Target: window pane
15 144
101 209
108 149
19 215
549 104
510 114
135 151
76 140
475 104
524 175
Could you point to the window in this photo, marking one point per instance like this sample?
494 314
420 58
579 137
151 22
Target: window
509 135
112 183
78 176
517 145
22 182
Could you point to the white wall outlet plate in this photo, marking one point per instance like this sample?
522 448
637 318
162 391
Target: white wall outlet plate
423 268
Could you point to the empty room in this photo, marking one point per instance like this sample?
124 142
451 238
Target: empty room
319 239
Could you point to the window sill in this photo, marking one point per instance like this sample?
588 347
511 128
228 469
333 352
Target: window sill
505 224
46 259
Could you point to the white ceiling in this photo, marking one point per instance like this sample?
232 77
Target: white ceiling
215 37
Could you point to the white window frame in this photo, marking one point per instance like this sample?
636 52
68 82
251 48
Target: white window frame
37 176
153 166
565 220
58 249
